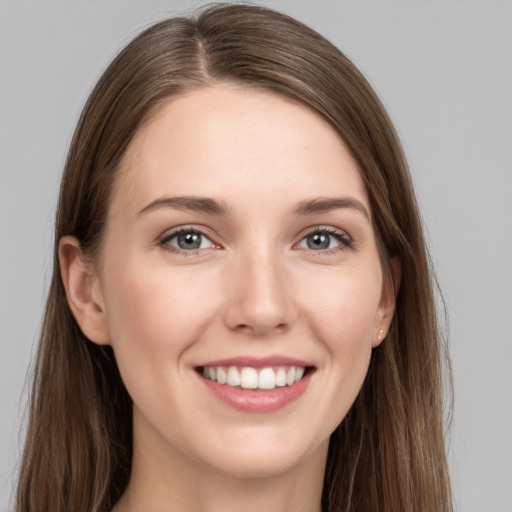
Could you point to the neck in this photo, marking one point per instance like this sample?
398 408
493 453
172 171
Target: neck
172 482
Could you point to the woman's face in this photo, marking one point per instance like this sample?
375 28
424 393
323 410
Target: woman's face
239 249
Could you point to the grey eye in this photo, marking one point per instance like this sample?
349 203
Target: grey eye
189 241
322 240
318 241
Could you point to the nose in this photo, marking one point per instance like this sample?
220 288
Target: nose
260 301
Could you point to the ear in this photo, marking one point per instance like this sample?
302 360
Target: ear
386 310
83 291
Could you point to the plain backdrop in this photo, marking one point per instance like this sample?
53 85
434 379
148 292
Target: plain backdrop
444 71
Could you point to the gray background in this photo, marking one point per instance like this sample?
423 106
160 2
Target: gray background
444 71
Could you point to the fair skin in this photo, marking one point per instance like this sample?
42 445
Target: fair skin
267 267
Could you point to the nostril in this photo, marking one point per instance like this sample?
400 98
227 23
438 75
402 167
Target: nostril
259 303
260 329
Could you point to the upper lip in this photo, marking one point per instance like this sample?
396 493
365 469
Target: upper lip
258 362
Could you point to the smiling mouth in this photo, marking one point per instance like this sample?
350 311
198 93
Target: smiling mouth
247 377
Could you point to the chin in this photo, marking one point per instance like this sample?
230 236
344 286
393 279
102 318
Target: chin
256 467
264 457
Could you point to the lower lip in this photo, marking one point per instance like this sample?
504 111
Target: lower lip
248 400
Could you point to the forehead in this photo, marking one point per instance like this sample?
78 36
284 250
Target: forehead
227 142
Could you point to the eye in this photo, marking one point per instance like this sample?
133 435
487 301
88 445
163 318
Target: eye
186 240
325 239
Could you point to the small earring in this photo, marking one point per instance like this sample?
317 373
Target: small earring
381 334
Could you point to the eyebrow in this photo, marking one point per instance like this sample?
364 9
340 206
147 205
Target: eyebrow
191 203
323 205
213 207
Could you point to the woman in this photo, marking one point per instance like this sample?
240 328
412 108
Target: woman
241 312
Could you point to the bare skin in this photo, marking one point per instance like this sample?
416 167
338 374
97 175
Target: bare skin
285 264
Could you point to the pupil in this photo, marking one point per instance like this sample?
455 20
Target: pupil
189 241
318 241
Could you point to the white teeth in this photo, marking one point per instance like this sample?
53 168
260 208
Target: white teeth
233 377
290 376
267 379
281 377
251 378
222 377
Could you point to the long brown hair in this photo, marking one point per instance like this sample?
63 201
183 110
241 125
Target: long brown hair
389 453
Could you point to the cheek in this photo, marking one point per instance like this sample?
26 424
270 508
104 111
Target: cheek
343 321
350 316
153 312
345 311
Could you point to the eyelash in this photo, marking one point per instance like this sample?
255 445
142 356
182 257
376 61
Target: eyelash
346 242
164 241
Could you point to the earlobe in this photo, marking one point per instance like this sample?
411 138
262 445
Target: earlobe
390 288
83 291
